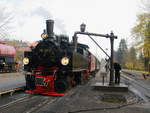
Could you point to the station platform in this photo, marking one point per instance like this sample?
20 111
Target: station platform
102 84
106 87
11 81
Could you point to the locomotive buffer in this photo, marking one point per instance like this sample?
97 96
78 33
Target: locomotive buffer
108 86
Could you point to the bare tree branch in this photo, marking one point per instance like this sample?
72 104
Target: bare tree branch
5 20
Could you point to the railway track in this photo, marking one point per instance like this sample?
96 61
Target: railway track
5 106
137 86
135 80
133 75
41 105
11 91
33 103
27 104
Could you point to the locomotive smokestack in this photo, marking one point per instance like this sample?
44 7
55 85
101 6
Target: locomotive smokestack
49 28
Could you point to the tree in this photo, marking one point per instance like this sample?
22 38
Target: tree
131 59
142 28
5 20
132 53
142 33
121 52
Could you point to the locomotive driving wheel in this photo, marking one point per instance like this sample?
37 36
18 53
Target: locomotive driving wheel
83 81
61 86
70 80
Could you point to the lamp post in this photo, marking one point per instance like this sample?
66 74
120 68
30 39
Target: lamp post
82 27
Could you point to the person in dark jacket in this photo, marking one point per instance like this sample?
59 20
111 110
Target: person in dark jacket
117 68
1 65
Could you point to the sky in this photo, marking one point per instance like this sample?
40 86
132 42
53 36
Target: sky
100 16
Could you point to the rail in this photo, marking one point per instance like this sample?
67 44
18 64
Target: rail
11 91
144 95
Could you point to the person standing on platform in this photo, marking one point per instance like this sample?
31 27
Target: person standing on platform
117 68
107 65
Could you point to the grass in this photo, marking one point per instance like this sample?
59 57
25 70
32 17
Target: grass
139 71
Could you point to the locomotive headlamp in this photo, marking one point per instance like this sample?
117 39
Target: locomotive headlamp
65 61
25 61
44 35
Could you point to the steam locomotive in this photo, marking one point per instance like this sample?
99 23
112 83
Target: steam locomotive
7 54
55 65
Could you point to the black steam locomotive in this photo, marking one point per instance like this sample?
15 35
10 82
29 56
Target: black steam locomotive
55 65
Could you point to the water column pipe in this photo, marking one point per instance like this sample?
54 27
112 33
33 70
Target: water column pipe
111 36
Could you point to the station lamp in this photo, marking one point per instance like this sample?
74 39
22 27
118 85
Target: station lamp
82 27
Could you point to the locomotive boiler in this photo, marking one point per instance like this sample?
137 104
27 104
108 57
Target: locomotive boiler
53 65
